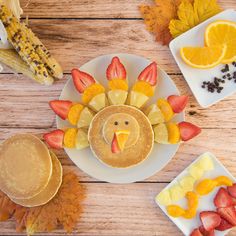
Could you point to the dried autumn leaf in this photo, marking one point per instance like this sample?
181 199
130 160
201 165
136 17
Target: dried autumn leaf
7 207
64 209
157 18
190 15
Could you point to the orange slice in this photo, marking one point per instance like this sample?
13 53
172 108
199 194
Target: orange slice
165 108
118 84
74 113
203 57
222 32
143 87
70 137
91 92
173 133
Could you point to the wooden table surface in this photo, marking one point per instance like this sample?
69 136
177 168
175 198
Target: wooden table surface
75 32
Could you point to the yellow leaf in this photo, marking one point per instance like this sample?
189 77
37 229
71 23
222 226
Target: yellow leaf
190 15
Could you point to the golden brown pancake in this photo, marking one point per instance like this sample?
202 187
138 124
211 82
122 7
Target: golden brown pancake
121 117
25 166
51 189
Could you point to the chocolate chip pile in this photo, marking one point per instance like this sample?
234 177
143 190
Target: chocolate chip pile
216 85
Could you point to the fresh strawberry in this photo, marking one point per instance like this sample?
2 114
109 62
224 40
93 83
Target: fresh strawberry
206 233
149 74
54 139
61 107
223 199
228 213
188 130
177 103
196 232
224 225
210 220
232 190
82 80
116 70
114 145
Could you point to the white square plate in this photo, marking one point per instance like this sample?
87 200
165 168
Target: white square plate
195 77
205 202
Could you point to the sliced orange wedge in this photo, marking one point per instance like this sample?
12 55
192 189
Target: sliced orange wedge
203 57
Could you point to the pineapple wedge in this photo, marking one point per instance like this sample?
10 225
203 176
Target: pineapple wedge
85 118
154 114
117 97
137 99
161 134
81 139
98 102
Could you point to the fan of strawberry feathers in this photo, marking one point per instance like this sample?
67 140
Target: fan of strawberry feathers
95 98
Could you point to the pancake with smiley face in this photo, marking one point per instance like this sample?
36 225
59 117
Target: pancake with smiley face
121 136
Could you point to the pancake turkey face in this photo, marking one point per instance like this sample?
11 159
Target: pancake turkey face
126 127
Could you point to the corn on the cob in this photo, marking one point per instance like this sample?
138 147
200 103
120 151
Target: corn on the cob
51 64
22 45
11 58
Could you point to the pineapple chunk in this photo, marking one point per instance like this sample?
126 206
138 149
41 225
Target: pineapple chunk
98 102
81 139
154 114
206 163
187 183
164 198
196 172
161 134
117 97
176 193
85 118
137 99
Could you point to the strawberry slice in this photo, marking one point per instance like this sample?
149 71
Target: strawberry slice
223 199
61 107
224 225
149 74
228 213
82 80
114 145
177 103
196 232
188 130
232 190
54 139
206 233
210 220
116 70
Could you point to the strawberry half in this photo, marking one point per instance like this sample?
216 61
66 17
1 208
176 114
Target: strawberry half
210 220
82 80
149 74
188 130
223 199
232 190
61 107
116 70
177 103
206 233
54 139
114 145
196 232
224 225
228 213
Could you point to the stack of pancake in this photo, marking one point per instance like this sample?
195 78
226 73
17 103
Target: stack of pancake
30 174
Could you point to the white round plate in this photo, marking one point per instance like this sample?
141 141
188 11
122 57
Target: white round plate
161 154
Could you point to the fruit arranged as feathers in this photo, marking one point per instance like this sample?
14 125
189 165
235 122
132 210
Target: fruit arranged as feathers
95 98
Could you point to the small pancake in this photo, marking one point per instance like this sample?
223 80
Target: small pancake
25 166
121 117
51 189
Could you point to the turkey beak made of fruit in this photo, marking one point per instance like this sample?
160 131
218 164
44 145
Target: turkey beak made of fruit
119 140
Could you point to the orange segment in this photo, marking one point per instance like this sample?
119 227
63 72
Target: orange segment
165 108
203 57
175 211
222 32
143 87
70 137
118 84
173 133
223 180
74 113
205 186
91 92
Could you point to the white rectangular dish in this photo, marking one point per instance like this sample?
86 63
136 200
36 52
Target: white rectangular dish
195 77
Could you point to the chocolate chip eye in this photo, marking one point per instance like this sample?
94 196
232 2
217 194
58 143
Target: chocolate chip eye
116 123
126 122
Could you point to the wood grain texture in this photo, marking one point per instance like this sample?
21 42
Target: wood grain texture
91 8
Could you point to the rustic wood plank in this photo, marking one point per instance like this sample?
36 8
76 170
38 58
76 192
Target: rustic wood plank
91 8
